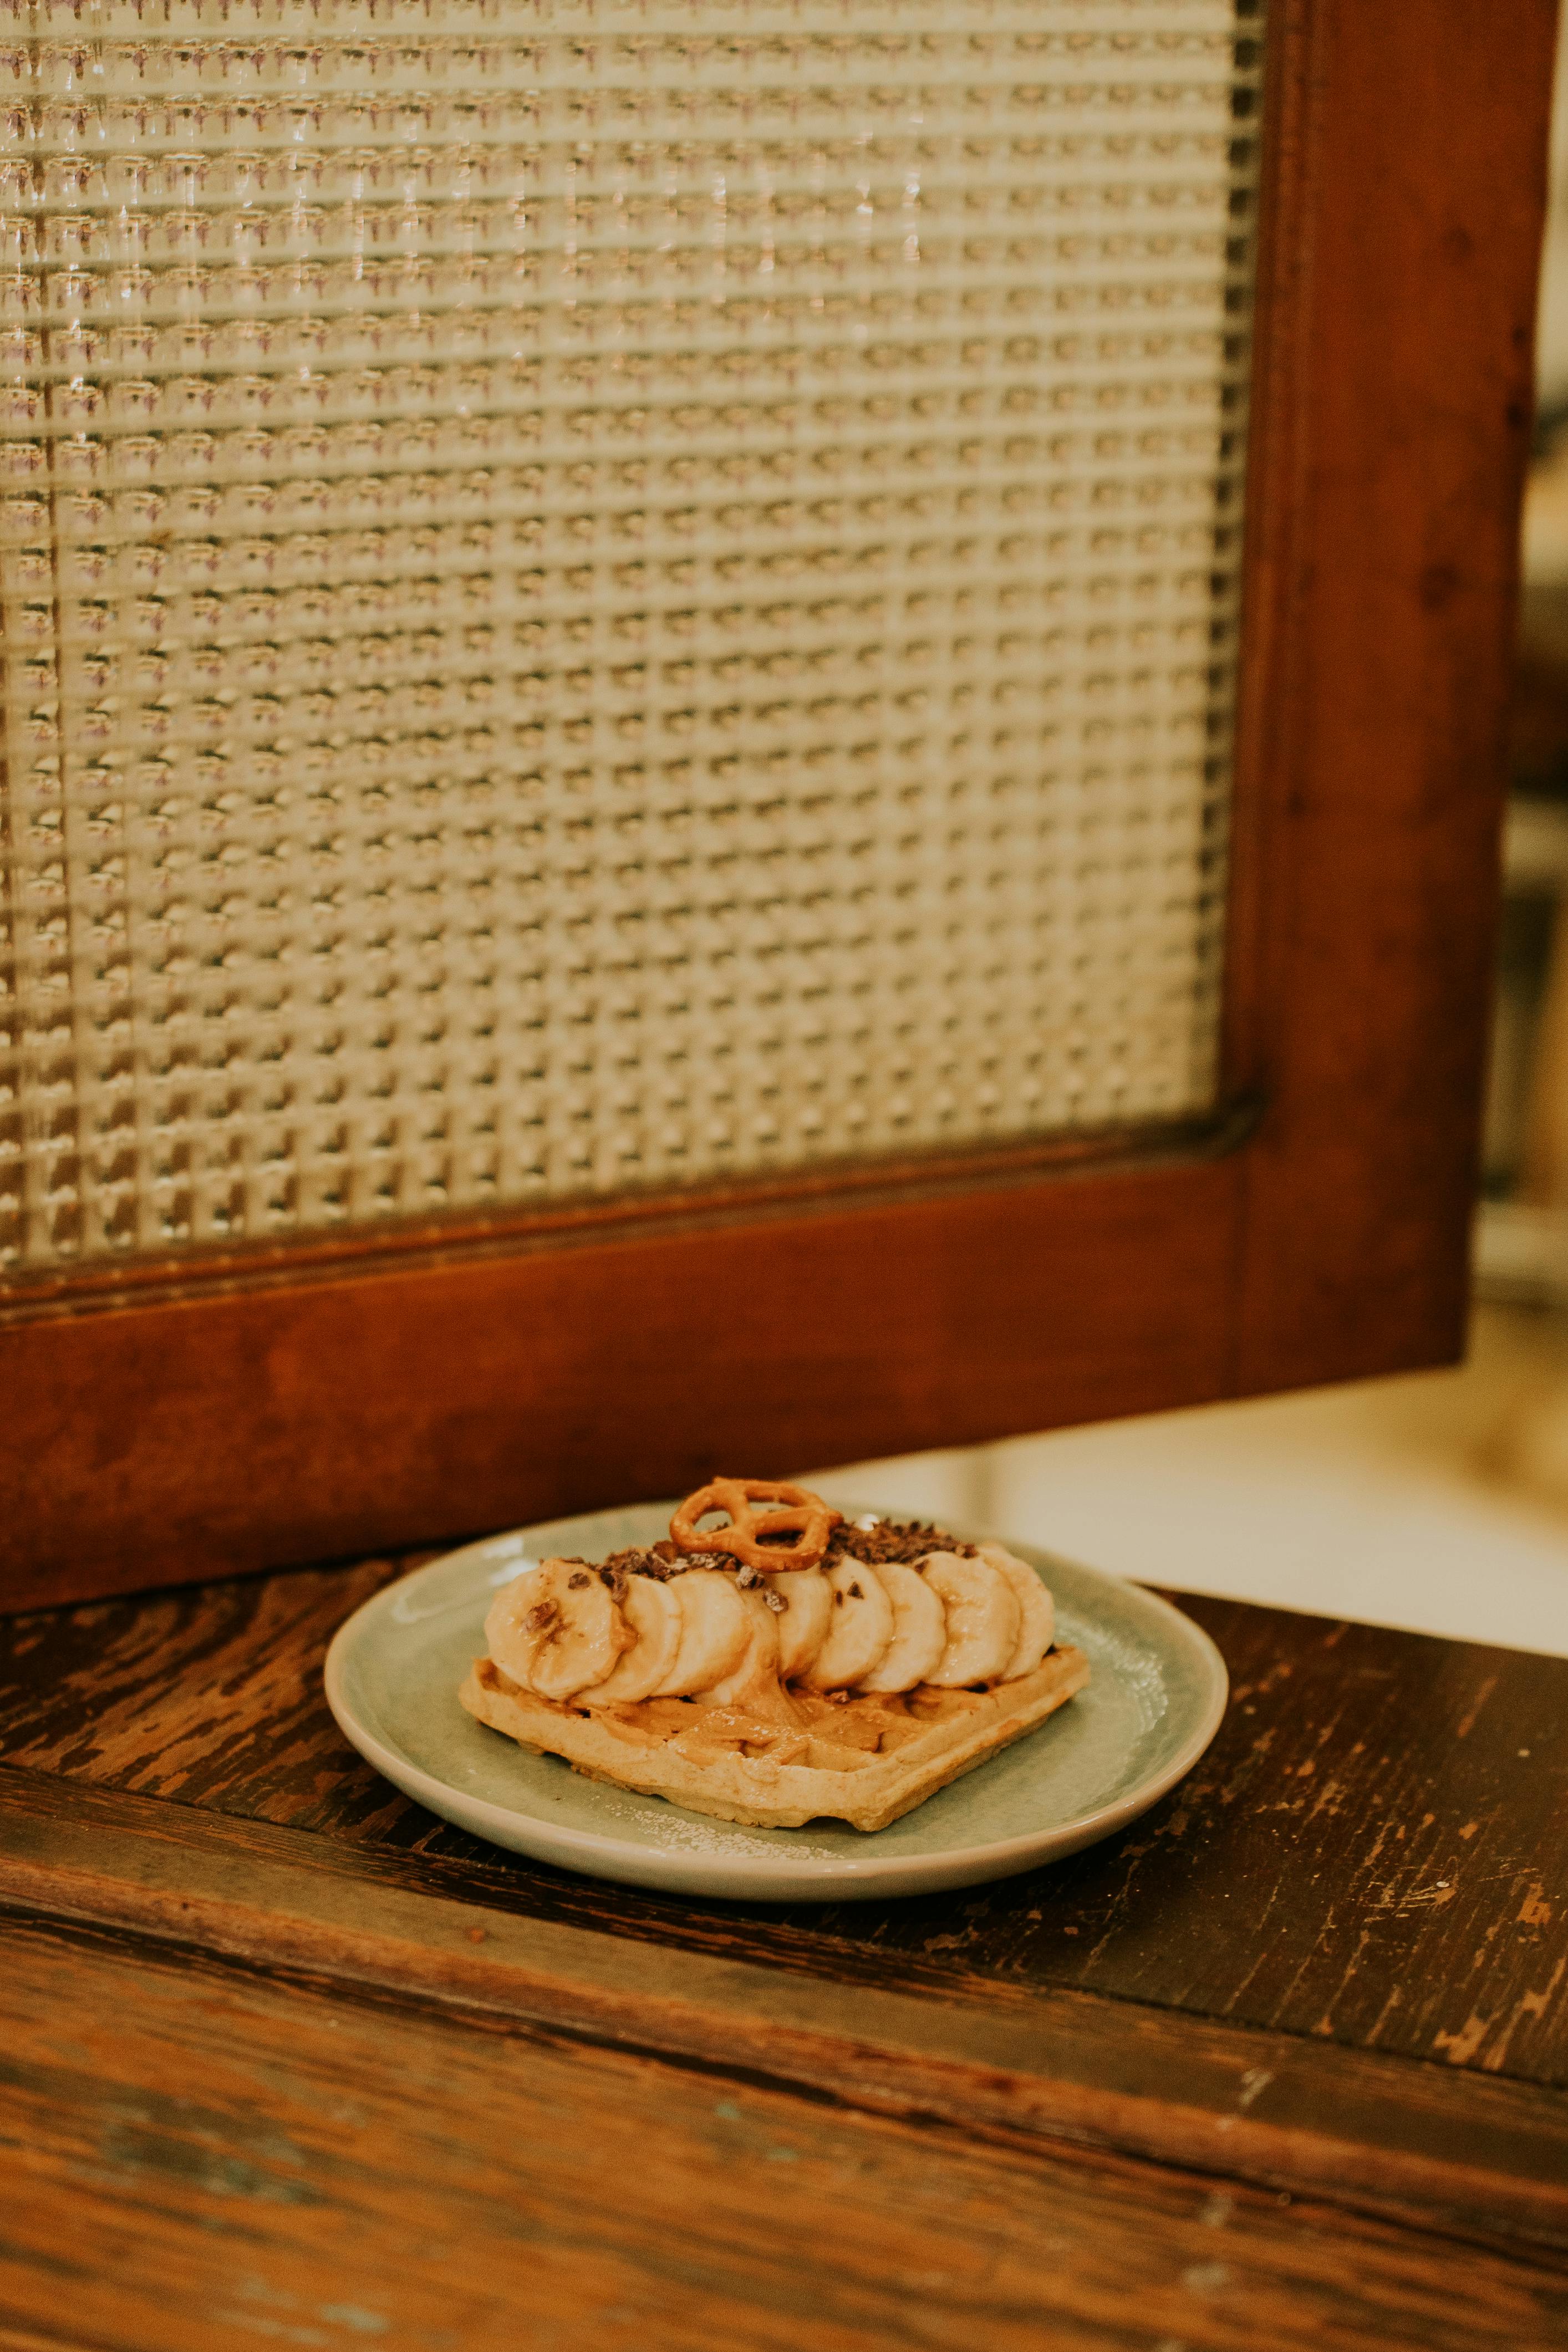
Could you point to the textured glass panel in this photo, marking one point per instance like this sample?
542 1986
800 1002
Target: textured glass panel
605 595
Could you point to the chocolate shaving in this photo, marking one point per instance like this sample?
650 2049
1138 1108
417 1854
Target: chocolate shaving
637 1562
907 1540
575 1583
659 1561
887 1540
542 1613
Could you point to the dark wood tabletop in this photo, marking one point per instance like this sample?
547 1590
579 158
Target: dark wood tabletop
1283 2063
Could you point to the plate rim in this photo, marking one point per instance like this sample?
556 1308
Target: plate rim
672 1870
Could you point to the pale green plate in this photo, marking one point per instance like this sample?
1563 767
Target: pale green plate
1154 1702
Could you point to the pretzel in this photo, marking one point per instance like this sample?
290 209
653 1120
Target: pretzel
807 1515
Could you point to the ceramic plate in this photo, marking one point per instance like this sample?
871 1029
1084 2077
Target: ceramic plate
1156 1696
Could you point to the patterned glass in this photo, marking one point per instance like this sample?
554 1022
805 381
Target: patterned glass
606 597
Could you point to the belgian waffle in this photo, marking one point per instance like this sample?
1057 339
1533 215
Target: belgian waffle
865 1761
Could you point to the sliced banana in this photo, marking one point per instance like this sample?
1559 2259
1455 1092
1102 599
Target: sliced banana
860 1627
714 1626
804 1619
983 1620
920 1631
652 1610
754 1683
504 1637
1037 1611
556 1630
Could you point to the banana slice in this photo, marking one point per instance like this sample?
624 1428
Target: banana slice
920 1631
652 1610
1037 1611
754 1685
504 1637
860 1627
556 1630
803 1622
984 1620
715 1624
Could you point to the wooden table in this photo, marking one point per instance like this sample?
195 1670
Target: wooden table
285 2062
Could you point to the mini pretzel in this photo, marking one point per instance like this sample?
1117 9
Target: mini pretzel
807 1516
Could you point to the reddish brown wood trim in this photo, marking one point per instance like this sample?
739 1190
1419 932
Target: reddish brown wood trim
163 1444
1395 395
1451 2149
152 1442
1277 487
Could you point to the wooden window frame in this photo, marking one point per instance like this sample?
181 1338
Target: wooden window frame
190 1418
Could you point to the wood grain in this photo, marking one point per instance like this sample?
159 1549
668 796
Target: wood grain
1370 1852
1364 1855
1464 2152
201 2160
339 1416
1393 401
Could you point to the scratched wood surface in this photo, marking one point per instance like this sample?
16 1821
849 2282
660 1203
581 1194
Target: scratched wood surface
1370 1852
1467 2153
197 2157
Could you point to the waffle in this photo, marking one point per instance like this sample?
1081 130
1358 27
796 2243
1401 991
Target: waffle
862 1760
